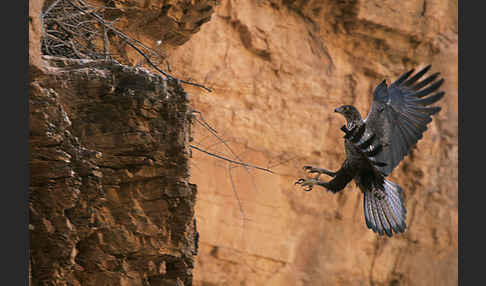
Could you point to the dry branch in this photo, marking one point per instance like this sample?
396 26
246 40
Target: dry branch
73 29
231 161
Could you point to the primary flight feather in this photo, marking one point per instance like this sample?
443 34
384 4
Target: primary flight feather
375 145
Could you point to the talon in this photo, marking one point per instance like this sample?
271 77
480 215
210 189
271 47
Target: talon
309 169
307 188
299 181
306 185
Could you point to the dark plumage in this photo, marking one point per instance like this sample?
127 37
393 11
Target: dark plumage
374 146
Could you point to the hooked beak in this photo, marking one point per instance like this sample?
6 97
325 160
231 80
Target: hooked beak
338 110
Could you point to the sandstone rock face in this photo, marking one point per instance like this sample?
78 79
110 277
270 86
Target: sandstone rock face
278 70
110 202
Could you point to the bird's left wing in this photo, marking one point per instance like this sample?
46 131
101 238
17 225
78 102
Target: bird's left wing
400 113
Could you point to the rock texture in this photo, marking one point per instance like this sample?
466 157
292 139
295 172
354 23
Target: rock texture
278 70
110 202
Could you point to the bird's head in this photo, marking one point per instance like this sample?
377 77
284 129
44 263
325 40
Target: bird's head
349 112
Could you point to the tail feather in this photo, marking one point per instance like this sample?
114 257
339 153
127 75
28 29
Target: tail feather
369 208
385 214
369 218
384 217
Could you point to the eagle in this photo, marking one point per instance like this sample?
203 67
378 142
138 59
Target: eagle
374 146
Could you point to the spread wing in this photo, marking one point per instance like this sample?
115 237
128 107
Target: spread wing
400 113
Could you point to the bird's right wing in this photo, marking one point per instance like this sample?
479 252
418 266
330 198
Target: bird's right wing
400 113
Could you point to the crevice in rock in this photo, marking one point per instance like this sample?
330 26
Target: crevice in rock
89 198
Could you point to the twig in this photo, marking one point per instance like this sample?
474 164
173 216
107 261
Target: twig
204 121
230 149
49 9
213 132
236 193
106 43
231 161
77 21
129 42
220 139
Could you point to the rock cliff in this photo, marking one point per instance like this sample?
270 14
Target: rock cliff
110 202
278 70
108 154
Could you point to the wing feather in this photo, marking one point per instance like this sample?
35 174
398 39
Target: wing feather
400 113
402 78
428 90
426 81
429 100
417 76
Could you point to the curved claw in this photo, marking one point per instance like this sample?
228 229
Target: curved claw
299 181
310 169
306 188
319 171
305 184
307 167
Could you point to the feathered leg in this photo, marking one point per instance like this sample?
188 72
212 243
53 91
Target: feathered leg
340 178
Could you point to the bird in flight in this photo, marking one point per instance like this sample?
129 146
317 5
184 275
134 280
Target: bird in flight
374 146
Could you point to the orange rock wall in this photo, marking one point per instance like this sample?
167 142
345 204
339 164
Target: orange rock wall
110 201
278 70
